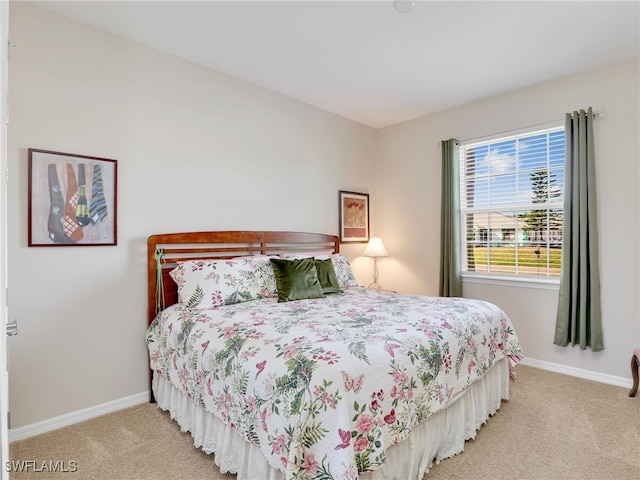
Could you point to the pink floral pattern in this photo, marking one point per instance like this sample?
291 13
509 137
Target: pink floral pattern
212 283
324 386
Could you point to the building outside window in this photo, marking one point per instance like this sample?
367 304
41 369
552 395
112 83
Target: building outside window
512 194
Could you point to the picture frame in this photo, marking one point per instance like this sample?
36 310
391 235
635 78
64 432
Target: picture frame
72 200
354 217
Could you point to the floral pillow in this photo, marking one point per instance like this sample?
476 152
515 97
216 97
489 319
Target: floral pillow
265 276
345 275
212 283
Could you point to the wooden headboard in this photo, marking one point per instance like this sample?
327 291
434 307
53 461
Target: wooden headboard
165 250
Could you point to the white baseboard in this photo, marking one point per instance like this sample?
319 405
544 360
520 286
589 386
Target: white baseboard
75 417
81 415
578 372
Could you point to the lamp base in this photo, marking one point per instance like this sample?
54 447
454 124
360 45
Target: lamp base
374 284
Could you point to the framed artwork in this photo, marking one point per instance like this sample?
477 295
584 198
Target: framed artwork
354 217
72 200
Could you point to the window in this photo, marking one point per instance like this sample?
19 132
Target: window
511 199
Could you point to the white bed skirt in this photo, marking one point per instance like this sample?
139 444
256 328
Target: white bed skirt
441 436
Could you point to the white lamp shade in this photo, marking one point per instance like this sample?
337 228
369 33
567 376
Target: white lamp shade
375 248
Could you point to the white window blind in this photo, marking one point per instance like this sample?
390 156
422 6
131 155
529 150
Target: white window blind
512 203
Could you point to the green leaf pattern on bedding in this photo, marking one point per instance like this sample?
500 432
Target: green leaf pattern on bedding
325 386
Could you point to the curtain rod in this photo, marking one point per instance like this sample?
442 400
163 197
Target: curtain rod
597 113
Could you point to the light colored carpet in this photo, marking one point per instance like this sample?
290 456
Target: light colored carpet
554 427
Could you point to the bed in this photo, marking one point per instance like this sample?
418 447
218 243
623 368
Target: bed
280 380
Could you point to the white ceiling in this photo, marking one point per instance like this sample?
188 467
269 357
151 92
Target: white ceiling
365 61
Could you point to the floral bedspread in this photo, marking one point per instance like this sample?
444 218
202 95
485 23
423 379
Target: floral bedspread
325 386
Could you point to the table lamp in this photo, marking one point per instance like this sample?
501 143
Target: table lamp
375 248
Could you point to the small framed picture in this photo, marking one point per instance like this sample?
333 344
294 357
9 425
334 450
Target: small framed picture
354 217
72 200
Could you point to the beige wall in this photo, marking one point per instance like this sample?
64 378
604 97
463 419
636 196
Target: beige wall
408 194
200 150
196 150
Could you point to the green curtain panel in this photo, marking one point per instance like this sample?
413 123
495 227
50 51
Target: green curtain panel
450 278
578 321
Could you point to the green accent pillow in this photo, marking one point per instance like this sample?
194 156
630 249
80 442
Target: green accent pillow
327 276
296 279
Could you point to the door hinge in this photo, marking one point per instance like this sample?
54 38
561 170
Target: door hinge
12 328
8 420
9 47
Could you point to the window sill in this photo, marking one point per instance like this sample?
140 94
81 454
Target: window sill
526 282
